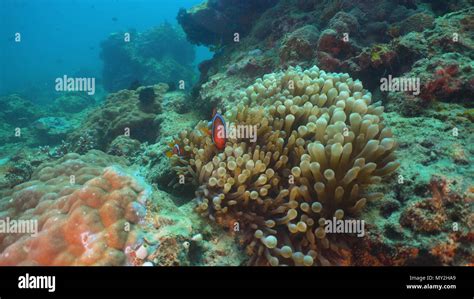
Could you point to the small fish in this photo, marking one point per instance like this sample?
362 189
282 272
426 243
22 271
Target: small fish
175 150
218 132
115 19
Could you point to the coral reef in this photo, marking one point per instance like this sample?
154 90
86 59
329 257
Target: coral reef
17 118
320 143
17 173
95 210
431 231
416 23
427 216
146 96
52 129
449 82
72 103
124 146
304 145
161 54
409 39
175 118
442 61
342 36
27 123
214 22
300 44
430 197
17 111
176 236
18 165
124 114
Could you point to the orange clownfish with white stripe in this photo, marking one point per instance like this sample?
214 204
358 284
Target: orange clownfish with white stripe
216 129
175 150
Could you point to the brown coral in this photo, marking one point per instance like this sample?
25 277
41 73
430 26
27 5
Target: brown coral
320 143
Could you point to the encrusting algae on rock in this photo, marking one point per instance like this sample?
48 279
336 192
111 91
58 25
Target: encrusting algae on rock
321 144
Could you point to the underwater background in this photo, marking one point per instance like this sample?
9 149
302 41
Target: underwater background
65 36
236 132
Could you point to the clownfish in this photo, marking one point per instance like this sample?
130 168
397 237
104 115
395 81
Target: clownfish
218 131
175 150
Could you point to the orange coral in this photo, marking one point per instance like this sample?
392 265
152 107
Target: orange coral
84 210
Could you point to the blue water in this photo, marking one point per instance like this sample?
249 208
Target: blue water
63 36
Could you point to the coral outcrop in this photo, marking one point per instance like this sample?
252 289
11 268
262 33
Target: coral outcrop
214 22
17 111
161 54
320 144
344 36
300 44
72 102
51 130
442 61
124 146
123 113
84 208
18 165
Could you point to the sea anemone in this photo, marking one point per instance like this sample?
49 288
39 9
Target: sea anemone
321 143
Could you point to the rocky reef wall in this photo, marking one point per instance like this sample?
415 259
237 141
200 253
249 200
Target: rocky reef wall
161 54
423 40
